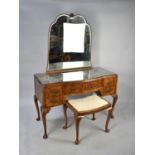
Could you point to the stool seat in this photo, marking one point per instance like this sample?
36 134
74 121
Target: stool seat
88 103
84 106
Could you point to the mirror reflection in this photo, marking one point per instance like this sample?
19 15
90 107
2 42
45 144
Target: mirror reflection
73 76
73 41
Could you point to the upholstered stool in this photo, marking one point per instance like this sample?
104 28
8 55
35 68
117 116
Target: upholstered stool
84 106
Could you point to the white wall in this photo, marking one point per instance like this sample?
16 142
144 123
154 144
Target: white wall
112 24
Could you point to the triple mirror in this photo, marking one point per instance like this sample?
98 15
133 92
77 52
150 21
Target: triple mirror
69 44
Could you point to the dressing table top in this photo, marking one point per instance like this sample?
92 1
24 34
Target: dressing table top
91 74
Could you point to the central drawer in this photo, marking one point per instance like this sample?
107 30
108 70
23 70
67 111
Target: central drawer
72 88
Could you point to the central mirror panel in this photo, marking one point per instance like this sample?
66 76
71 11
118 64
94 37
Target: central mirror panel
69 44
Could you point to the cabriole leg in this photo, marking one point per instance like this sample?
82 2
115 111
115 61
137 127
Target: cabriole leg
115 97
65 116
108 119
37 107
77 122
44 111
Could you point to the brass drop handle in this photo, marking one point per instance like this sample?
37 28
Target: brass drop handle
73 88
109 82
53 100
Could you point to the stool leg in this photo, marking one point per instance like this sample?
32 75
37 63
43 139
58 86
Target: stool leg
65 116
77 122
93 118
108 119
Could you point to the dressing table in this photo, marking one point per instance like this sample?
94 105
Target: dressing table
69 71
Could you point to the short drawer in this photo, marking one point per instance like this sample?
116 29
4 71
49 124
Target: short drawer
53 90
109 81
53 101
92 85
109 90
72 88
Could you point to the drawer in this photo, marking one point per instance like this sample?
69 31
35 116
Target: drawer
72 88
53 101
53 90
93 85
109 90
109 81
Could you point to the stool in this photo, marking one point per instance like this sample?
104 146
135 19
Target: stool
84 106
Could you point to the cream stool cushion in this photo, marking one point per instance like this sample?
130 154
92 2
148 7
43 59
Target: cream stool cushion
88 103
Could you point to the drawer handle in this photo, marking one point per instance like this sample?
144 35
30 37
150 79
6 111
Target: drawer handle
54 92
109 82
91 86
54 100
73 88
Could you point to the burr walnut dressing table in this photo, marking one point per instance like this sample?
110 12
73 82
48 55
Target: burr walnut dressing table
69 70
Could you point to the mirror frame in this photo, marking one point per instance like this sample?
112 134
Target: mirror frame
53 71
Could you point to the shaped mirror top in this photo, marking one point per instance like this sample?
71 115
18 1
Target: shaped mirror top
69 44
